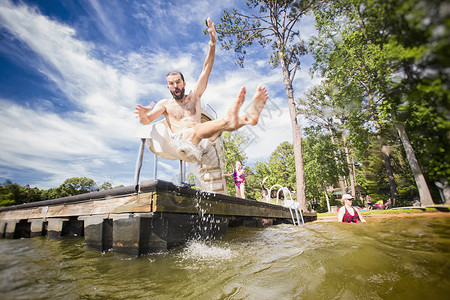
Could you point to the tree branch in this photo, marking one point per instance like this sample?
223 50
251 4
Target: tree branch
294 70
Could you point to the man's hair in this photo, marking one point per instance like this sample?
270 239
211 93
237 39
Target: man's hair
175 73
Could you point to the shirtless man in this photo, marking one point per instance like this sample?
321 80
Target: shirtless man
183 112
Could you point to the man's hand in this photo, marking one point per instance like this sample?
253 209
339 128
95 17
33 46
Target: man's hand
212 31
142 111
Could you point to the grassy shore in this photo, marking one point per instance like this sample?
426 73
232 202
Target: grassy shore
368 214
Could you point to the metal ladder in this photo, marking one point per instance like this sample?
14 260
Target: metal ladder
291 204
139 161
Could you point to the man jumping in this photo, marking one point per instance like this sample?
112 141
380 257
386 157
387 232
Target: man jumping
183 112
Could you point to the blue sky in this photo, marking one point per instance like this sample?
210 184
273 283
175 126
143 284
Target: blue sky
71 73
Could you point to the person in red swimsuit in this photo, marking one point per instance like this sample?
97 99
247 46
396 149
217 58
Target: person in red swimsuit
239 180
347 213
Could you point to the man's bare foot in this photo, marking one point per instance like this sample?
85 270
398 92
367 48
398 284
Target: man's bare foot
251 116
232 118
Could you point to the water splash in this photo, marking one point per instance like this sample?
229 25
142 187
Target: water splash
206 226
203 251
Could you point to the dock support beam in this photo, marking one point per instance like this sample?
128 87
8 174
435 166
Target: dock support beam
142 233
10 229
2 229
128 234
64 227
55 227
37 227
98 232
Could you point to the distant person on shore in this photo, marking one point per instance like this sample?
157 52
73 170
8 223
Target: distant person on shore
239 179
416 202
379 205
369 202
388 204
347 213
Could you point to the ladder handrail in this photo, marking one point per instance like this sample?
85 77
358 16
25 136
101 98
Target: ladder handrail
270 193
290 203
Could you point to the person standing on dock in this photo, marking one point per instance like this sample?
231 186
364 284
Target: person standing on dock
347 213
239 179
183 112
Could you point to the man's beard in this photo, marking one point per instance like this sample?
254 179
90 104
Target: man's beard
178 97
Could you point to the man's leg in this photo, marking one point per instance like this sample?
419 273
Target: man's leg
213 129
251 116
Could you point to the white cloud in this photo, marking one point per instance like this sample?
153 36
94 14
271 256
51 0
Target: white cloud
44 141
101 133
273 128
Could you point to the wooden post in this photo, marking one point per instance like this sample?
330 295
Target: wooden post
37 227
131 233
98 230
2 229
55 227
10 229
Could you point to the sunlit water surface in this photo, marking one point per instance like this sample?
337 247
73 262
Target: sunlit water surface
398 258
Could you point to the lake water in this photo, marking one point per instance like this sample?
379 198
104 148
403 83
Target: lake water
396 258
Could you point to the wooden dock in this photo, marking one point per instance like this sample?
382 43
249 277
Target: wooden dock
151 217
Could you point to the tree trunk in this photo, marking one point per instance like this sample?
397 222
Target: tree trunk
354 172
350 169
444 190
328 200
386 156
342 185
297 136
389 171
424 192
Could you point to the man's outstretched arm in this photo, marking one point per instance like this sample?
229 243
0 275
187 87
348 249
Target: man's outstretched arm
149 114
202 81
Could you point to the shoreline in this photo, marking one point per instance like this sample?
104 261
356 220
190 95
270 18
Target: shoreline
369 217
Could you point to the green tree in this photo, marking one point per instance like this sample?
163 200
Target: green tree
274 23
373 48
356 67
106 186
52 193
234 144
77 185
279 169
31 194
6 195
321 167
70 187
13 194
319 107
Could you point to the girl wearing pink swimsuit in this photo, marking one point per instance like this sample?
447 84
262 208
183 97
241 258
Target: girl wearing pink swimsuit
239 179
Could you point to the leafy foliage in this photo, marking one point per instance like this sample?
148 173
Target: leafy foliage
380 58
280 168
13 194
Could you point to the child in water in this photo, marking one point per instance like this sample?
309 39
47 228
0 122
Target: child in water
239 180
